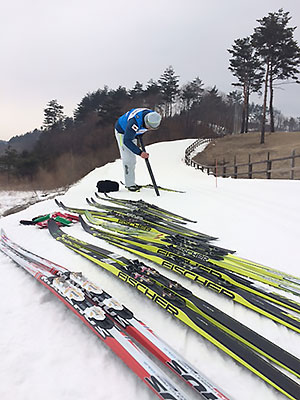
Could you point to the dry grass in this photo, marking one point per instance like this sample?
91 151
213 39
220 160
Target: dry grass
66 170
243 146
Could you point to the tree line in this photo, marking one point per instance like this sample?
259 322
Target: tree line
86 139
69 147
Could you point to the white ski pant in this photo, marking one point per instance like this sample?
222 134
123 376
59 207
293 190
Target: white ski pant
128 160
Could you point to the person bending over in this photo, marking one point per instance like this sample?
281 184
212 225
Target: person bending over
128 127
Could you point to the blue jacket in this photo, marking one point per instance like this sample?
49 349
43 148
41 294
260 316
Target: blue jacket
132 125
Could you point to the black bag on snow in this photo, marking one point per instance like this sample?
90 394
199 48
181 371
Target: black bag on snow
107 186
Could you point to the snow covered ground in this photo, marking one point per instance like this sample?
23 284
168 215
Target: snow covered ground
13 201
45 350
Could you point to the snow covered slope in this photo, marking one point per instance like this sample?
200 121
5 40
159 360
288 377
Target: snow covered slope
46 352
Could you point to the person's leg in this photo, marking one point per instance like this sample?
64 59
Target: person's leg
128 160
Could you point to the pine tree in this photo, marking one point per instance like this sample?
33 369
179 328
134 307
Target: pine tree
9 161
234 97
137 91
169 86
191 93
152 94
152 88
54 115
91 103
113 106
246 66
274 42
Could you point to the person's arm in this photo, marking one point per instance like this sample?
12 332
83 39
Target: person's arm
129 136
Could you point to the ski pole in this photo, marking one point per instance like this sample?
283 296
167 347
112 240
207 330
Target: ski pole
149 167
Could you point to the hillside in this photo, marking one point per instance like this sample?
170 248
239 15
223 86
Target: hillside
280 144
21 143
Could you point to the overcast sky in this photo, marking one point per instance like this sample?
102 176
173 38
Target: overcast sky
63 49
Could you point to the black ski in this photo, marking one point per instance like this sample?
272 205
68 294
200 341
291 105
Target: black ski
177 306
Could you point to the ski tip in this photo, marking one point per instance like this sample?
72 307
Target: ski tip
59 203
82 221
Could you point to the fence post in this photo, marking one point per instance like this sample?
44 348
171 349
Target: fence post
249 167
293 164
269 166
235 167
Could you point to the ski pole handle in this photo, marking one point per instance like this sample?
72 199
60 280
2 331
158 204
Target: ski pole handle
149 167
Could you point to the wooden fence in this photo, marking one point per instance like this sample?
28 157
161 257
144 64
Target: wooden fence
190 150
276 168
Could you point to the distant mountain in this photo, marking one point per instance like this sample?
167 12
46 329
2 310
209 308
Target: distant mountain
22 142
3 146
